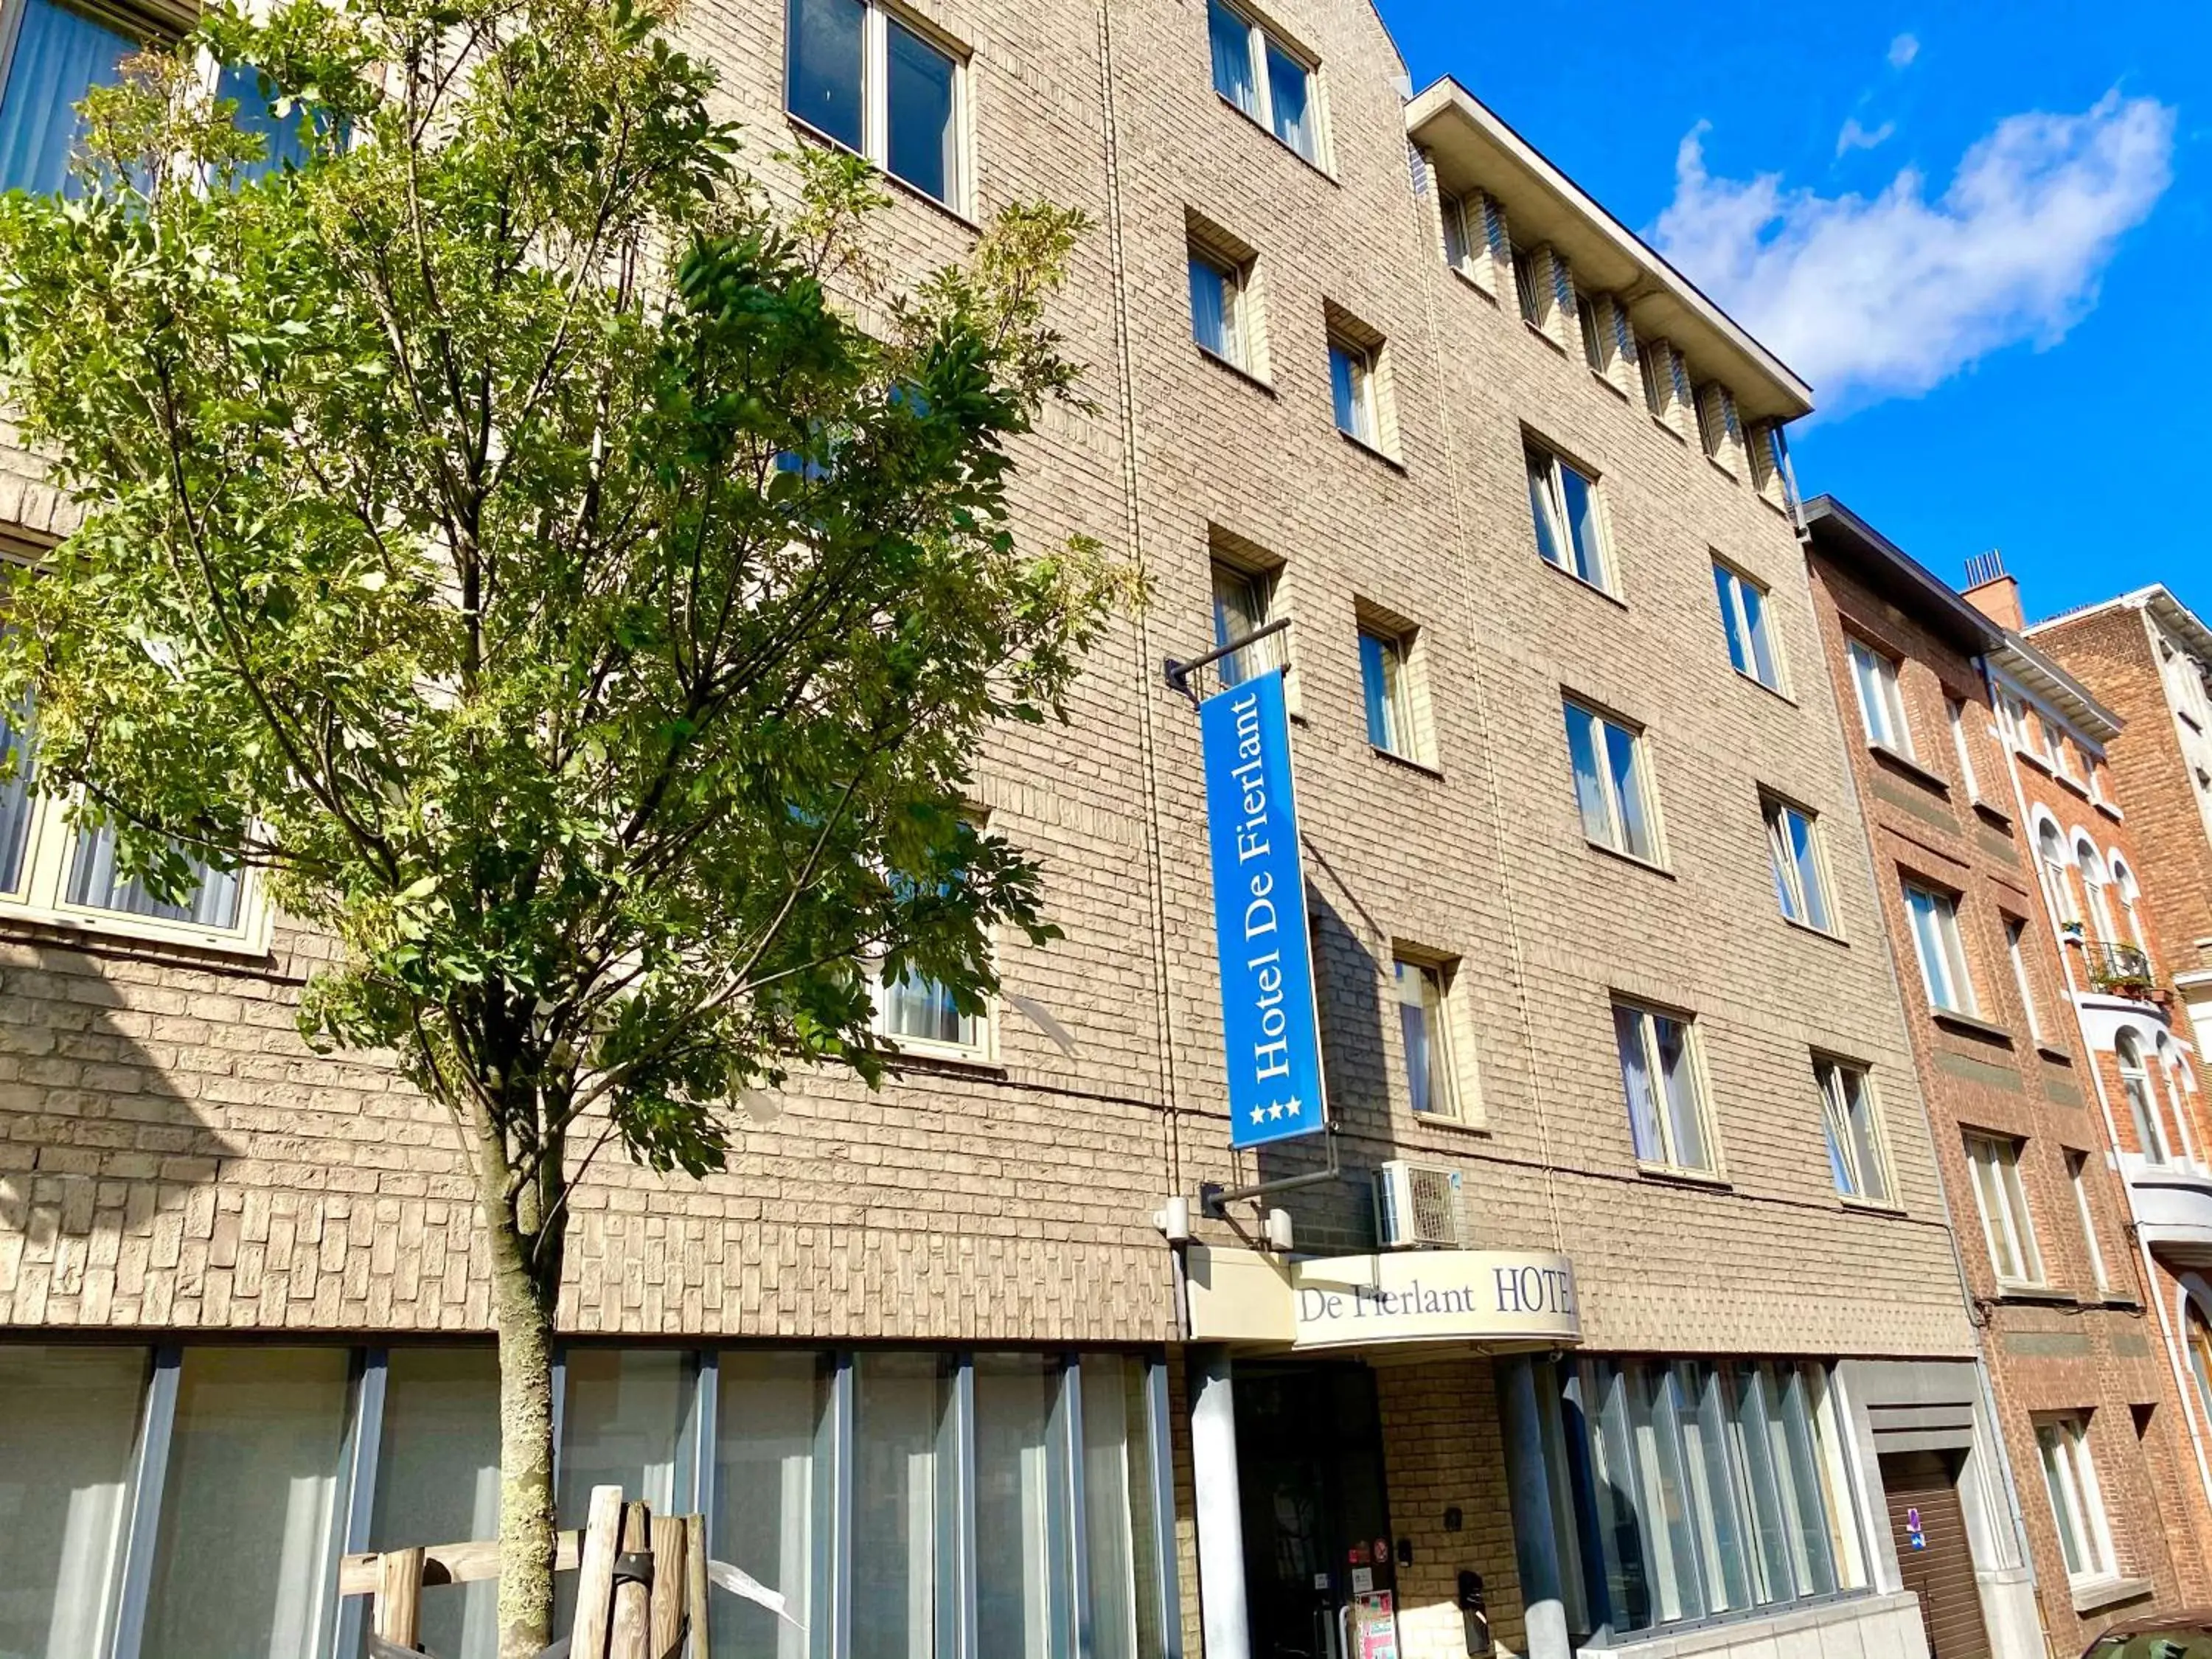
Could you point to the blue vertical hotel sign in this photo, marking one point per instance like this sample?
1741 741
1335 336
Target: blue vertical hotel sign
1260 916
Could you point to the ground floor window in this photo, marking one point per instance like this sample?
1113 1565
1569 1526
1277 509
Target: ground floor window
1698 1490
904 1502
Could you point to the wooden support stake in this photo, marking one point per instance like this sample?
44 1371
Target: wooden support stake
399 1597
595 1575
633 1617
668 1599
695 1581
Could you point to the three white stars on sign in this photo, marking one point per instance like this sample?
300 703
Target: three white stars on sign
1291 1108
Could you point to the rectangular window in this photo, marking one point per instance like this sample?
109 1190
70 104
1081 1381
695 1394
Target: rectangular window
1596 346
1263 77
1653 369
1382 681
1955 708
921 1012
1242 603
861 76
1610 785
246 1561
1666 1118
1855 1154
1466 240
2077 1177
1425 1029
770 1482
68 1420
2077 1504
1699 1489
1570 525
60 54
1942 952
1743 619
1882 704
1023 1488
902 1487
2007 1226
1217 308
437 1478
621 1423
1801 881
1121 1541
1352 388
2016 937
1534 308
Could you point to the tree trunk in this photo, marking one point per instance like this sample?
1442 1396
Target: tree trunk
522 1313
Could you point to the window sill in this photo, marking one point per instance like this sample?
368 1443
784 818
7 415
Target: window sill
2109 810
1610 384
1628 858
2034 760
1544 335
1897 760
1422 767
807 128
1724 469
2040 1296
1455 1122
1970 1024
1670 429
1782 507
1473 282
948 1062
2058 1056
2091 1593
1246 116
1832 937
1366 448
2066 780
1675 1175
1582 582
1875 1206
250 944
1771 691
1233 366
1998 817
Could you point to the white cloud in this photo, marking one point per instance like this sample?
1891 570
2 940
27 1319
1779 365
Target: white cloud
1855 136
1888 296
1904 50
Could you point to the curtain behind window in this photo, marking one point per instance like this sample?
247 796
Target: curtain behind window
60 55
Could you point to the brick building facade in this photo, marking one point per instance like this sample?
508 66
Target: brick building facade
2081 1375
924 1356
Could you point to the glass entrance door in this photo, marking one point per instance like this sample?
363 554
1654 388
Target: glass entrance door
1316 1524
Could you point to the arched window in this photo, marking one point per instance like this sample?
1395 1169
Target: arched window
2051 848
2142 1105
2171 1072
2125 888
2200 1357
2099 916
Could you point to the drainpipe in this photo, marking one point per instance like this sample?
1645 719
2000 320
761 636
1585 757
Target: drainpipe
2149 1266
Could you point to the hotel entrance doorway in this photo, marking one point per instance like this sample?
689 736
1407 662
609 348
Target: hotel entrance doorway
1316 1520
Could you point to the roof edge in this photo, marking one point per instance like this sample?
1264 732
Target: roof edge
1902 575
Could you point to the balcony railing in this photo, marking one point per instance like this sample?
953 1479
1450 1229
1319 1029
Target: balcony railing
2119 969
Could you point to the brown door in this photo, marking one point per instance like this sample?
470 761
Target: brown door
1933 1557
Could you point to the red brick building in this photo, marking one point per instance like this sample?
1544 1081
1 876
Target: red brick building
2087 1400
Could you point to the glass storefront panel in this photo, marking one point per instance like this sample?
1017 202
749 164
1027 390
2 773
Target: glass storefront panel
437 1481
247 1564
1021 1494
623 1422
1120 1530
769 1482
68 1424
899 1416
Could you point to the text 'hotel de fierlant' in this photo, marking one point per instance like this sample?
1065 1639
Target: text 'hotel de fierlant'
1621 1077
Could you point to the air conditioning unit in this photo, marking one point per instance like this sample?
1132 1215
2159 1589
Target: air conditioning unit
1417 1206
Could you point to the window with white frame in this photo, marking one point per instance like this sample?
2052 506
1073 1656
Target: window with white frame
2142 1100
916 1011
1854 1132
1941 949
2092 866
1881 701
73 873
1216 308
2129 896
1242 605
862 75
2007 1228
1743 621
1598 344
2016 949
1386 689
2053 746
1424 993
1696 1490
1352 370
1955 711
1611 787
1569 522
1466 234
2077 1504
2057 872
1265 78
2178 1089
1667 1121
2077 1177
1801 880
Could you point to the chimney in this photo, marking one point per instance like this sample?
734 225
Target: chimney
1992 593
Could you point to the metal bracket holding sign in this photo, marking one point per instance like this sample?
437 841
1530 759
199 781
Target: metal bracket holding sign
1179 672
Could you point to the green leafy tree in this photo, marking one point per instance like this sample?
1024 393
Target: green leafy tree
493 532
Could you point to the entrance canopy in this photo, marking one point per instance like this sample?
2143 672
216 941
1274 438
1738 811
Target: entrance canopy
1492 1299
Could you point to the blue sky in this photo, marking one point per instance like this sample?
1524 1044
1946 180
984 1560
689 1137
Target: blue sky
1984 232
